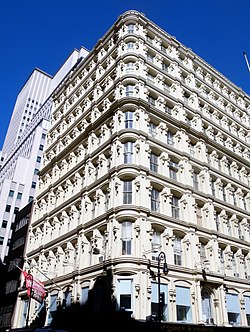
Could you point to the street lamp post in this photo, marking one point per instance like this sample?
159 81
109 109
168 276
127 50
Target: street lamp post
161 257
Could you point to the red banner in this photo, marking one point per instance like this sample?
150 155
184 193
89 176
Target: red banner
35 288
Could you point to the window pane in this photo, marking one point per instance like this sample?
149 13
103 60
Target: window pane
8 207
84 295
125 301
11 193
155 202
19 195
128 151
153 162
126 247
183 304
128 119
127 192
125 293
4 223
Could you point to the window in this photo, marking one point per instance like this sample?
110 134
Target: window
151 78
153 162
165 66
150 39
199 215
128 119
155 201
217 221
234 265
67 299
152 129
234 198
127 192
126 237
41 147
38 159
170 138
195 181
156 245
167 109
19 195
212 184
222 260
151 100
31 198
8 207
233 309
124 294
155 300
4 223
202 253
150 57
223 193
130 46
128 152
247 308
163 48
130 66
129 90
175 207
183 311
206 305
24 312
16 209
52 308
131 28
36 171
173 170
43 136
11 193
192 149
228 224
84 295
1 240
33 185
177 251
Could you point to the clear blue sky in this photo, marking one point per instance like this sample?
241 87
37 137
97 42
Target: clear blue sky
43 33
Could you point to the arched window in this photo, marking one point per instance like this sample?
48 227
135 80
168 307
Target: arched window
206 305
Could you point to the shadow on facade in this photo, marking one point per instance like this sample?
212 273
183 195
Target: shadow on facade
100 311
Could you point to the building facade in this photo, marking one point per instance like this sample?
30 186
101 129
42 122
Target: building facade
10 278
146 163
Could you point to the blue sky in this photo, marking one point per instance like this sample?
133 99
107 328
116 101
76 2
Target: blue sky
43 33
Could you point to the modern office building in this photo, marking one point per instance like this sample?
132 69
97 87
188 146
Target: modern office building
146 171
29 100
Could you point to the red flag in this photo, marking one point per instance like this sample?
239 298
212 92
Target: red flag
35 288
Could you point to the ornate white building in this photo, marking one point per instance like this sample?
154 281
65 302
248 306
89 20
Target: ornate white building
148 152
